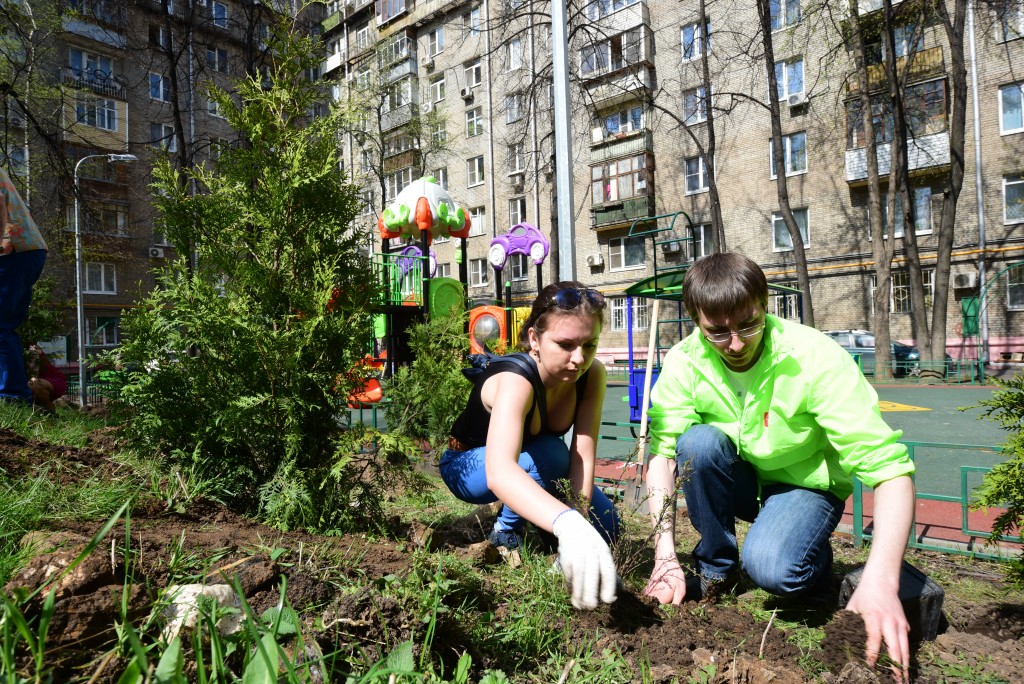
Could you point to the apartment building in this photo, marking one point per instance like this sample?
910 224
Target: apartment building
642 117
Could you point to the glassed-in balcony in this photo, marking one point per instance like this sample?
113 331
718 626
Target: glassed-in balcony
923 152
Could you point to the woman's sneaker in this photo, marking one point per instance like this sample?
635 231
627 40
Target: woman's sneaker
510 539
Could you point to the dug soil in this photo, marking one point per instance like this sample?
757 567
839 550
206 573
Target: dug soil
980 638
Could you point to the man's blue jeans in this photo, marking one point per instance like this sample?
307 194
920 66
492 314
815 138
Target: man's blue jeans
787 549
545 458
19 271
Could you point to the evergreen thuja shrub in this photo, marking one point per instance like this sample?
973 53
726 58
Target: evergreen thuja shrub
1004 485
425 397
239 364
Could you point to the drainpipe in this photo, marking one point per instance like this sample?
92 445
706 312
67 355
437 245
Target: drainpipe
563 143
490 133
983 353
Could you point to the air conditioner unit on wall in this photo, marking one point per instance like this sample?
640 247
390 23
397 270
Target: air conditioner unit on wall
595 260
797 99
467 93
671 247
428 63
965 281
426 107
156 252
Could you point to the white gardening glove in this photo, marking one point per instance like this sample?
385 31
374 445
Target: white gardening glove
586 560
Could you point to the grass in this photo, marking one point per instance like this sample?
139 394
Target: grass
454 625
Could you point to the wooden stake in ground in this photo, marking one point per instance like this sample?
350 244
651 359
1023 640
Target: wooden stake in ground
636 498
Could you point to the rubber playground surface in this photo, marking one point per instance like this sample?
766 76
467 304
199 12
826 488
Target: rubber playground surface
951 445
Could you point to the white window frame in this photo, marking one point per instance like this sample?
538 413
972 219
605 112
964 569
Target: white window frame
899 290
1015 288
621 122
93 328
475 171
159 87
479 273
102 274
694 41
395 182
605 183
622 253
516 210
475 121
787 152
217 59
1011 22
477 221
514 54
213 108
444 270
471 21
779 230
785 13
516 157
97 112
1015 90
1017 215
437 89
695 106
441 176
474 73
162 137
703 242
515 107
519 267
85 64
783 80
694 168
619 318
435 42
219 14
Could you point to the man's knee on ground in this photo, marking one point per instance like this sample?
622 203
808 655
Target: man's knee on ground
775 573
701 446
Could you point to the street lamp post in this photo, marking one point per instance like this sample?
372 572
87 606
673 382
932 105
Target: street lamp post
79 309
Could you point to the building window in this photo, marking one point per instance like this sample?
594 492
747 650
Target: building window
1015 288
394 183
703 241
474 73
100 218
781 239
98 112
516 158
477 221
217 59
624 121
516 210
695 41
443 271
696 175
213 108
784 13
220 14
100 278
520 268
437 88
435 41
162 137
16 159
1013 199
102 331
515 107
620 319
789 77
398 95
439 133
926 114
90 67
922 212
1011 20
602 8
783 304
616 53
389 9
475 171
160 37
695 106
474 122
794 150
479 270
627 252
899 293
363 37
471 21
1011 119
515 54
441 176
159 88
618 180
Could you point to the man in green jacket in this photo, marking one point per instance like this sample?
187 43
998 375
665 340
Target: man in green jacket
768 421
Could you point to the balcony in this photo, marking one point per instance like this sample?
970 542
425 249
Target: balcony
110 12
429 10
96 80
401 160
924 152
406 67
926 64
632 83
624 19
333 62
622 145
396 117
621 213
330 22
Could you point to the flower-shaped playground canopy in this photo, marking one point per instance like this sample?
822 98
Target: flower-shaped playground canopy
423 206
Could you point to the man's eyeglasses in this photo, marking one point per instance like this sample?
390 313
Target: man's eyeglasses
745 333
570 299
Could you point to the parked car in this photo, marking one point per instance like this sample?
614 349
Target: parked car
905 359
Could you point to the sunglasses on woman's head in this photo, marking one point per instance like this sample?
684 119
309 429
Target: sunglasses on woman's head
570 298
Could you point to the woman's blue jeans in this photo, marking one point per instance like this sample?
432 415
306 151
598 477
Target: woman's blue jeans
787 549
19 271
545 458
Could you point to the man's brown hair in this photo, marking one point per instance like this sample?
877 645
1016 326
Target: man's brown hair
721 283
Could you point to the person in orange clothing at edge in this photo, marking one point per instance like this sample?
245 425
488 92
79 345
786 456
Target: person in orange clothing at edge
767 420
22 255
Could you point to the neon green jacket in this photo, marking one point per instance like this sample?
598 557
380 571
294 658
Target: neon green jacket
810 418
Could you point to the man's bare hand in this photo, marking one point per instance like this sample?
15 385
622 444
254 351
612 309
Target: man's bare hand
667 583
884 621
